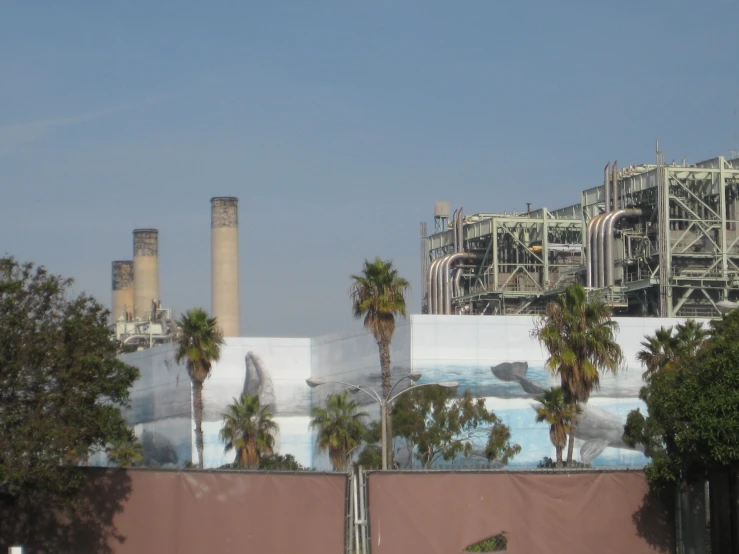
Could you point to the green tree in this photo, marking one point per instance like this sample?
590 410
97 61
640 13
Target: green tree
199 341
340 428
280 462
557 412
61 386
438 426
579 335
378 296
248 429
126 452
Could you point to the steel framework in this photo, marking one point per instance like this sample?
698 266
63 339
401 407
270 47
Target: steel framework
653 240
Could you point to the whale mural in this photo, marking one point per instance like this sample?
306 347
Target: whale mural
597 428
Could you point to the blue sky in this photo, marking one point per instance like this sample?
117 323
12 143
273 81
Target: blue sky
337 124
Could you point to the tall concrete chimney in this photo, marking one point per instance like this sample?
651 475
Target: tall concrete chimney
145 271
122 290
224 225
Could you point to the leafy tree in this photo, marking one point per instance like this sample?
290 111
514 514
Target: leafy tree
580 337
692 398
126 452
441 427
557 412
280 462
199 341
61 386
248 429
378 296
370 457
340 428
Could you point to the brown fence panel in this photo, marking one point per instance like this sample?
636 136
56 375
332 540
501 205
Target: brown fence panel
191 512
579 513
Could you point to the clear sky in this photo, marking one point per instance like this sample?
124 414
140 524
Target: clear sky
337 124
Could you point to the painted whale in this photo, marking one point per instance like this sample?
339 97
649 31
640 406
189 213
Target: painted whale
597 428
257 381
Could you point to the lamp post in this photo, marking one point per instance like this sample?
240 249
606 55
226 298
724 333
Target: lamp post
314 382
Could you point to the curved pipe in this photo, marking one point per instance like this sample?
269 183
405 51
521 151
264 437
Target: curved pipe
454 230
431 288
602 240
614 185
599 270
606 188
446 284
592 257
611 226
460 231
595 249
439 293
457 278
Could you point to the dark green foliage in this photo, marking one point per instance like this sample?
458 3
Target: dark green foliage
280 462
498 543
692 397
61 386
441 426
547 463
127 452
271 462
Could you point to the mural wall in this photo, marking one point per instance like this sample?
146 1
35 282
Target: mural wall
496 358
492 356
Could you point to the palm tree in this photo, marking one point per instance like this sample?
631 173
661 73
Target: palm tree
378 295
661 350
340 428
580 337
249 429
657 352
557 412
199 341
126 452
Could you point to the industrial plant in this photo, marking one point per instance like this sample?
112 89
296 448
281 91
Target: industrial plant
139 320
654 240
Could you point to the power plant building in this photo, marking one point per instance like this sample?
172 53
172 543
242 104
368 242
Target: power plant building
658 242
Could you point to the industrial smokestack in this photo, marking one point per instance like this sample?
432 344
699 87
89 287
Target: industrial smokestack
145 272
122 290
224 246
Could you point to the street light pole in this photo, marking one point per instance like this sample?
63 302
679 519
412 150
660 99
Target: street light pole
314 382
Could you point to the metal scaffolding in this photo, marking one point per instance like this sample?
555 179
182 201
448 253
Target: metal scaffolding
653 240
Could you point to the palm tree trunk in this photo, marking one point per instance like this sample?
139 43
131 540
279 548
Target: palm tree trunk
559 456
197 406
573 426
384 347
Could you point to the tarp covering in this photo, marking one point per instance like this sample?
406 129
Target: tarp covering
542 513
192 512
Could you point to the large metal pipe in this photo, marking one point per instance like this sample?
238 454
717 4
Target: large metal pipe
591 243
224 225
432 286
614 185
145 272
446 283
454 231
611 225
122 289
440 283
600 270
460 231
606 191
